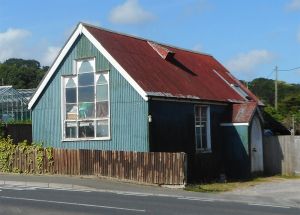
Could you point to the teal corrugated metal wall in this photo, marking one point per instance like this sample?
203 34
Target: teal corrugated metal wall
129 112
238 139
236 151
243 132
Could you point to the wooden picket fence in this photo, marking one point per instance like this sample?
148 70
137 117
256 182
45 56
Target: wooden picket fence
145 167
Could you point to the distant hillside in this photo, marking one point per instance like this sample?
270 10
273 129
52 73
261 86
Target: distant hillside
264 89
288 99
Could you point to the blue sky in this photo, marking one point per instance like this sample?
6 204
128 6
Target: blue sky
249 37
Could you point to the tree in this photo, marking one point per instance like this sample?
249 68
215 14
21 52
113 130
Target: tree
264 89
21 73
288 101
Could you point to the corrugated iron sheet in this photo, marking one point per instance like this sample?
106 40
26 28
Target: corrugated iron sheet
243 112
185 74
126 106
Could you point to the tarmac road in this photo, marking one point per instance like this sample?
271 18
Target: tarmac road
20 199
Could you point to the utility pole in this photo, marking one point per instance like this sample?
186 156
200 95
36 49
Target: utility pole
293 125
276 87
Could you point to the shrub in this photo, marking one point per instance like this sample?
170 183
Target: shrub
8 152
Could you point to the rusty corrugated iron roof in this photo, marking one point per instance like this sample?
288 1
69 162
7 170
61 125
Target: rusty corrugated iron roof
186 74
162 51
242 113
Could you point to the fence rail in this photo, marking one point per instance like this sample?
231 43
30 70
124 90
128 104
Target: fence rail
282 155
146 167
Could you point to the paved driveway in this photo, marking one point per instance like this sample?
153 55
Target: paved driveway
281 191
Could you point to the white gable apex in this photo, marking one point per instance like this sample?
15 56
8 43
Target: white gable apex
78 31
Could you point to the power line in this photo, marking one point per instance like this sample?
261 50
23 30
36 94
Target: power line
276 82
265 77
279 70
269 75
289 69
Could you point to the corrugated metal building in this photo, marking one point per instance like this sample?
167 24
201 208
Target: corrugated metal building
112 91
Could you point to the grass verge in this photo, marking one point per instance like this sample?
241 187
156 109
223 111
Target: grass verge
216 187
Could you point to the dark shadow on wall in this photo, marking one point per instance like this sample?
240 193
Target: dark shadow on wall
273 156
209 166
237 162
202 167
233 160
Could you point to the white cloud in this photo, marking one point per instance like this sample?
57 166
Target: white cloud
196 7
246 62
130 12
12 43
198 47
50 55
293 5
15 43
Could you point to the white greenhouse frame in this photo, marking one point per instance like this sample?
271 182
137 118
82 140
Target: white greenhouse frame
14 104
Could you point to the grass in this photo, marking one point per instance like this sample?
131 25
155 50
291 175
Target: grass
216 187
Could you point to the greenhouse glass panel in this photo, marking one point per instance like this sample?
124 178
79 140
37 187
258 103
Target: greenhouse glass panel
14 104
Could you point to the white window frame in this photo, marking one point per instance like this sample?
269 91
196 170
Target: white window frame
94 119
208 133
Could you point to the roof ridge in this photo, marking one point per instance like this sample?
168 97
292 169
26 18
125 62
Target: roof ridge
145 39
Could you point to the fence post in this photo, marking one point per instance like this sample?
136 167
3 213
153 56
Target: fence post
185 168
145 167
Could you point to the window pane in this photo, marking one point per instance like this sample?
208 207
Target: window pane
103 79
71 129
239 90
71 95
86 110
201 117
86 94
85 66
70 83
204 139
102 128
102 92
86 129
71 111
102 109
197 111
198 138
203 113
86 79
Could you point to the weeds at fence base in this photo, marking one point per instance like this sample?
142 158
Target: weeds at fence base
216 187
23 157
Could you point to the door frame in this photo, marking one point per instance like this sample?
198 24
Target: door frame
255 119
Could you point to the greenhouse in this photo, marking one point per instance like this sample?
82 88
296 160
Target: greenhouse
14 104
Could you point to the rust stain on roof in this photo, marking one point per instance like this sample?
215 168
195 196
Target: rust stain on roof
243 112
185 74
162 51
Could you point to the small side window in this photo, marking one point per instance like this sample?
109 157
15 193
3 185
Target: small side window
202 128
